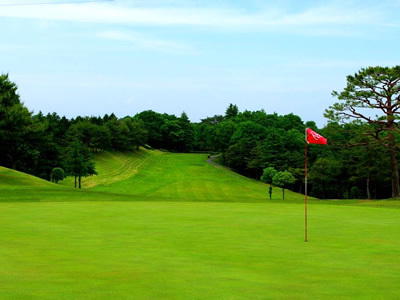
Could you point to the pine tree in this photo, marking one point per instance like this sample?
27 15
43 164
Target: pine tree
79 161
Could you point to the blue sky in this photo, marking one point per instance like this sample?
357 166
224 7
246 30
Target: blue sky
194 56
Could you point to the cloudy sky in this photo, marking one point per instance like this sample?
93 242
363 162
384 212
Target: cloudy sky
197 56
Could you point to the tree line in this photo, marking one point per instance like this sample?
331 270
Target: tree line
356 163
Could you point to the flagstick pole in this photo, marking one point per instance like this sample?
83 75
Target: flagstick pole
305 194
305 200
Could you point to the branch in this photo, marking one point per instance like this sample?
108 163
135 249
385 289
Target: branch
394 82
351 145
361 116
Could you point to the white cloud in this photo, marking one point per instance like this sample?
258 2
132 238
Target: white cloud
147 42
221 18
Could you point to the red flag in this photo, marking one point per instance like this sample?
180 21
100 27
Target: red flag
315 138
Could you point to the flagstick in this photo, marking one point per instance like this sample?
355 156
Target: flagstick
315 138
305 197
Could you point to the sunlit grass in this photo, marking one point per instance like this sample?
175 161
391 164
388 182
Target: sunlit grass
159 250
155 175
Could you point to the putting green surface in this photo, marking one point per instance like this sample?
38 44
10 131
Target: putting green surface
155 225
170 250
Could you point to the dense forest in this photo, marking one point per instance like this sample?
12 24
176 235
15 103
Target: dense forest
352 165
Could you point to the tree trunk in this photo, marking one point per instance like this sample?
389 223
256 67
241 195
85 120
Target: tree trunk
395 173
394 167
283 194
75 181
368 191
80 181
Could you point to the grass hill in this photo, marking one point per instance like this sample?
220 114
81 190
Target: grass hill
11 179
161 176
16 186
145 175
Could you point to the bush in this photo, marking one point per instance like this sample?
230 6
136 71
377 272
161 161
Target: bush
57 174
355 192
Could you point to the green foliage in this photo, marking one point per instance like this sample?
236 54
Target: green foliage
138 134
232 111
79 161
373 91
168 131
57 174
325 177
355 192
223 133
368 89
16 129
153 122
283 179
259 140
268 175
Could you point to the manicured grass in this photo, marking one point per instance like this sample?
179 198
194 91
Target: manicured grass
171 250
156 225
11 179
113 167
154 175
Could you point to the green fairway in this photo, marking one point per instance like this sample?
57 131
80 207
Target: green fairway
154 175
197 250
158 225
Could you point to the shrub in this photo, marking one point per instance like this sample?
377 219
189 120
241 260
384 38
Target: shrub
355 192
57 174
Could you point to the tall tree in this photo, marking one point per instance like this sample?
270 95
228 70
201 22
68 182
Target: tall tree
231 111
119 134
374 91
326 176
153 122
137 132
79 161
188 133
16 129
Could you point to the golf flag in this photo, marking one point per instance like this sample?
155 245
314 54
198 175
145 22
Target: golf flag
314 138
311 138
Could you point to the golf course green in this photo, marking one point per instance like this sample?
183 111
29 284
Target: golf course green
155 225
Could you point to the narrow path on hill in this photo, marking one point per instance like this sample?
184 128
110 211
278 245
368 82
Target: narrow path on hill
227 170
210 160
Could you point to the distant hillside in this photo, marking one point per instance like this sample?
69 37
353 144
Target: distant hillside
146 175
12 179
113 167
163 176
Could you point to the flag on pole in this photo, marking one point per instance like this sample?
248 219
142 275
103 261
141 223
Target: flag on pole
311 138
315 138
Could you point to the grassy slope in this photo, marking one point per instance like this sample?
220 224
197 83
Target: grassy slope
146 249
20 187
11 179
174 177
